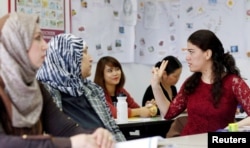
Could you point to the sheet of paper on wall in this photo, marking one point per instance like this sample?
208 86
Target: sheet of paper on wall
107 27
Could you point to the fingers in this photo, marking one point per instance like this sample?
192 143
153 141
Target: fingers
153 102
154 70
83 140
152 106
107 142
153 110
148 105
163 66
148 111
148 102
104 138
160 71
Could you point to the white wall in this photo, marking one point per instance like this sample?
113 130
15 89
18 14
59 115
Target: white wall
138 75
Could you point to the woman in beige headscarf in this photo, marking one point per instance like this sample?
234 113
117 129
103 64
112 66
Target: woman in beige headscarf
28 117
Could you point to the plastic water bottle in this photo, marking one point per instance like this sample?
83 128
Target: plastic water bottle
122 109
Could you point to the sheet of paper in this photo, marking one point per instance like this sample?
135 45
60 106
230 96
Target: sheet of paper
151 142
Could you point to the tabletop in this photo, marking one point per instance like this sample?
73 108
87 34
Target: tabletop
139 127
190 141
141 121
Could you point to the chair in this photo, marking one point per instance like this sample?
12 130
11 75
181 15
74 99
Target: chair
177 126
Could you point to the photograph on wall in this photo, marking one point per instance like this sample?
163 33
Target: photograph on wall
51 14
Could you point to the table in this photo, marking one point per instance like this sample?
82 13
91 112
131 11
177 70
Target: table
190 141
138 127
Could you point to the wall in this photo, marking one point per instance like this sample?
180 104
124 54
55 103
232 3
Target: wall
138 75
3 7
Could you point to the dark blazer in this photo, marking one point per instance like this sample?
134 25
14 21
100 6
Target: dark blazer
57 126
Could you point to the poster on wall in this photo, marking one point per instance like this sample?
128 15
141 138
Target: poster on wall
157 30
145 31
51 14
225 18
247 21
5 7
163 26
106 26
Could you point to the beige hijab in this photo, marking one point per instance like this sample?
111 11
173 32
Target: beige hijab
16 70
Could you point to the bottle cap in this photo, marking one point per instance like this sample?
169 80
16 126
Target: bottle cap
121 95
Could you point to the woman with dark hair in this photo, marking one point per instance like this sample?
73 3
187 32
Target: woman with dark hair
170 77
211 94
110 76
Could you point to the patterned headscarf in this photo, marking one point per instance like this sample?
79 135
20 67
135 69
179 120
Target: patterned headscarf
62 66
62 71
17 71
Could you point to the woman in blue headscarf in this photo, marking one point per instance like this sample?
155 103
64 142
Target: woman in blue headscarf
64 72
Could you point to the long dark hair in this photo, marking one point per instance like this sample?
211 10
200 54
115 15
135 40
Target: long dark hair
222 63
99 73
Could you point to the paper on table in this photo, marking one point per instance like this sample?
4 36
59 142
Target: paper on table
241 115
150 142
244 129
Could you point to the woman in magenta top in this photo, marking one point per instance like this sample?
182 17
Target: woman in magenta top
109 75
211 94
